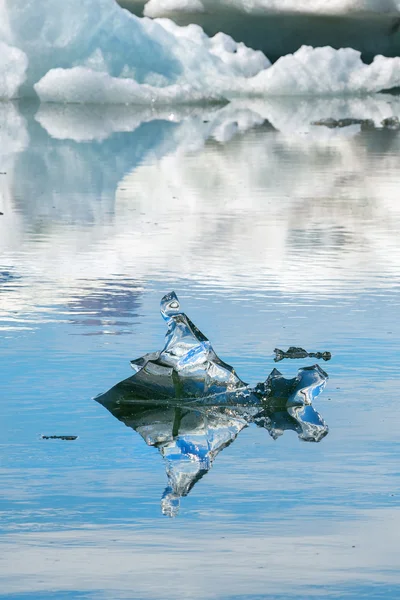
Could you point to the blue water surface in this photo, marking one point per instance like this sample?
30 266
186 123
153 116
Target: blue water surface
271 237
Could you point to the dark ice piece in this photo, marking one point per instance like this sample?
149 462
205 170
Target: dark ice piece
294 352
340 123
59 437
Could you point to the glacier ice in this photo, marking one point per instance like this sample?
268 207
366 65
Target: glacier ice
103 39
187 366
13 64
190 405
280 27
92 51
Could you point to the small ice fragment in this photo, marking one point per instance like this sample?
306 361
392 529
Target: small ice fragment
59 437
188 358
294 352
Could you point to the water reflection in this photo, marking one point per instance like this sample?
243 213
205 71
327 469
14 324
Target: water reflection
94 191
106 306
190 437
276 232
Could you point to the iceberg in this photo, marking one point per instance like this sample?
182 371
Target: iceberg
93 51
97 49
155 8
190 405
280 27
13 64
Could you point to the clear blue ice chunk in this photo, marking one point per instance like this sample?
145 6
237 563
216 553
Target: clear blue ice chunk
190 405
187 360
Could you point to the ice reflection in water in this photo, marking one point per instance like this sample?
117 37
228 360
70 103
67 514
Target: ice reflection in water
107 307
146 182
189 439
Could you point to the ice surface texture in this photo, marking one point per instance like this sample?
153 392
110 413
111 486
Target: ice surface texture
190 405
94 51
13 63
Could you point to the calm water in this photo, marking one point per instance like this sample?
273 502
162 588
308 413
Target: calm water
273 232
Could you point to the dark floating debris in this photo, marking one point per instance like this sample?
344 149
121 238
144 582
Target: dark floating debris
388 123
190 405
294 352
339 123
59 437
1 213
391 123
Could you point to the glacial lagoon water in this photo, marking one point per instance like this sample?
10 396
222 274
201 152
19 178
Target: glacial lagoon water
274 231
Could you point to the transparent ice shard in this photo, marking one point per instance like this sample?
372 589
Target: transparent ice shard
189 404
187 364
299 391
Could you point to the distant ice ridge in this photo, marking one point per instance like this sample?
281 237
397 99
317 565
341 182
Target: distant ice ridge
157 8
92 51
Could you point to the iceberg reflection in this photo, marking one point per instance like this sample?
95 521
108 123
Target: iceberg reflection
188 403
94 191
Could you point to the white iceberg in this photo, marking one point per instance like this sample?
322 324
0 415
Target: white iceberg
157 8
280 27
13 63
92 51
